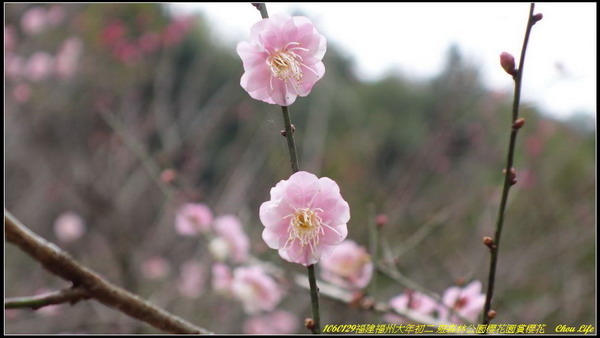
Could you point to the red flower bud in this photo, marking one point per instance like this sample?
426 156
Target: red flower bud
537 17
507 62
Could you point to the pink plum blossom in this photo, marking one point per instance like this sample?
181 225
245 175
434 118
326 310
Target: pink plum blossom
69 227
468 302
255 289
34 20
155 267
193 218
67 58
348 266
282 59
191 279
231 241
39 66
305 218
414 301
222 279
10 38
276 322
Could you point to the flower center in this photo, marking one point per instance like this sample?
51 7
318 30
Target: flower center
305 226
461 302
287 65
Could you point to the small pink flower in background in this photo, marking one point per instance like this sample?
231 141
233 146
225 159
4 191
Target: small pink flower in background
231 241
305 218
34 20
113 33
192 219
222 279
282 59
276 322
468 302
39 66
348 266
176 30
67 58
168 175
191 279
255 289
155 267
69 227
22 92
414 301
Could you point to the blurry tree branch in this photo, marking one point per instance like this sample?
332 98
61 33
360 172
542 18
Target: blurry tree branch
63 265
69 295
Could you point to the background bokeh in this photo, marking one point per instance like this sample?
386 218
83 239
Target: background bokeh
121 113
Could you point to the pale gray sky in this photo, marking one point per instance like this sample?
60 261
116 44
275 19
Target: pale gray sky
413 38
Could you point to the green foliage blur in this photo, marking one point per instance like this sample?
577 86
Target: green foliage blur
166 98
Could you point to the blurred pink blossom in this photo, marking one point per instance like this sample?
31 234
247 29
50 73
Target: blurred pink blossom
155 267
10 38
67 58
56 15
191 279
22 92
192 219
305 218
176 30
39 66
414 301
15 65
348 266
69 227
276 322
231 241
468 302
255 289
222 279
113 33
34 20
282 59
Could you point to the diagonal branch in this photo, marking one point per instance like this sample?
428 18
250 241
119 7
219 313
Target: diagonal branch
63 265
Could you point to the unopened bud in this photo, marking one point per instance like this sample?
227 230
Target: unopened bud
507 62
512 176
537 17
520 122
488 241
168 175
459 281
309 323
381 220
491 314
284 132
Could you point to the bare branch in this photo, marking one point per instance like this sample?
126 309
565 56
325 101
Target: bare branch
68 295
63 265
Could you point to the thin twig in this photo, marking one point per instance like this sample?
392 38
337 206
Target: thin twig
63 265
69 295
508 179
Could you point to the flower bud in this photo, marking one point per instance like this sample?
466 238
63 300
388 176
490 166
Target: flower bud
381 220
520 122
507 62
537 17
491 314
309 323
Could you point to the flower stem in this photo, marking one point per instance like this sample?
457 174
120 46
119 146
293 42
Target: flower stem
507 179
314 297
289 135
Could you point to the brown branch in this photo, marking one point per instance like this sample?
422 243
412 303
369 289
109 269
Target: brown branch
63 265
68 295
